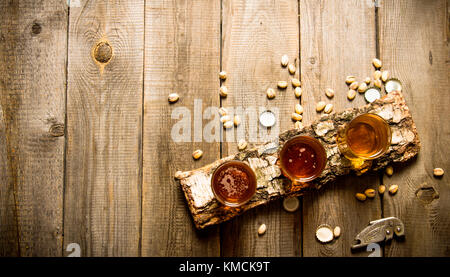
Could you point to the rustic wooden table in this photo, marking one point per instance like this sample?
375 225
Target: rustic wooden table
86 155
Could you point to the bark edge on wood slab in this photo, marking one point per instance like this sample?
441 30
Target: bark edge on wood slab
271 184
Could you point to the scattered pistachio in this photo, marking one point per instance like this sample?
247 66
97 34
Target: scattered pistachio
370 193
222 75
228 124
237 120
328 108
377 75
197 154
381 189
377 63
360 196
320 106
242 144
295 82
223 111
329 92
173 97
298 92
298 108
389 170
262 229
393 189
284 60
337 231
282 84
291 68
385 76
298 125
362 87
296 117
225 118
367 80
351 94
377 83
350 79
438 172
270 93
324 233
354 85
223 91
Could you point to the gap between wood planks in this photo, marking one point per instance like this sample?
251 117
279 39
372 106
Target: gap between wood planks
301 238
141 144
220 102
377 51
63 250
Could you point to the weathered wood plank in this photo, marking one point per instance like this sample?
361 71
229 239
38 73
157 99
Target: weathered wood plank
207 211
182 54
337 39
414 47
33 39
9 237
255 35
104 114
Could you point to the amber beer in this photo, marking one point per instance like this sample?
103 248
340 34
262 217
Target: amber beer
233 183
366 137
302 159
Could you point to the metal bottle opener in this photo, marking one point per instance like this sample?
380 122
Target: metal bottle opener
378 231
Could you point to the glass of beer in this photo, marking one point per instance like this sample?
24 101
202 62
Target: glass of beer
233 183
302 159
366 137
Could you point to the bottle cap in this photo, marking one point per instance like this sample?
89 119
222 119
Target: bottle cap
392 85
372 94
267 118
324 233
291 204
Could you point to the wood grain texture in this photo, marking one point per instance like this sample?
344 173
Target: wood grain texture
119 198
182 55
104 110
419 57
337 38
33 39
255 35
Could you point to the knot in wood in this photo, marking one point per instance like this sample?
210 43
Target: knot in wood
57 130
36 28
103 52
426 193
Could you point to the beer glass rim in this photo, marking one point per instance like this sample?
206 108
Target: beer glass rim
252 177
389 137
320 147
